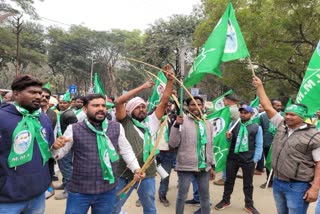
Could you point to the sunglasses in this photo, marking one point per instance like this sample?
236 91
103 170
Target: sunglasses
47 97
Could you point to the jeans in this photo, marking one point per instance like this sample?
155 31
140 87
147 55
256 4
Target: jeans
289 196
33 206
196 195
185 179
65 166
231 171
146 193
167 162
318 205
103 203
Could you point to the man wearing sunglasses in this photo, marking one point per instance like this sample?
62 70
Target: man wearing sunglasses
45 97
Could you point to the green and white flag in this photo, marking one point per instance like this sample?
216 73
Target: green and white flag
47 86
289 103
221 120
224 44
157 91
310 87
255 105
218 103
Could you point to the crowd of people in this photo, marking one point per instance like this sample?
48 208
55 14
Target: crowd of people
101 149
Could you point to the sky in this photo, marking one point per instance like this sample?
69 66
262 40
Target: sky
104 15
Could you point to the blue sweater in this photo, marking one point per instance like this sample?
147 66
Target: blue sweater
30 179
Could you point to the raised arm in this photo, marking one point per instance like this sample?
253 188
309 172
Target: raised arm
120 102
264 100
167 92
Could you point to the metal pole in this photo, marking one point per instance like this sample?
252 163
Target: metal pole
182 73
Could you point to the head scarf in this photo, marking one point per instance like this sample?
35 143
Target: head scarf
298 110
134 103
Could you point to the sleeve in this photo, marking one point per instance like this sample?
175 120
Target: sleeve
276 120
60 153
259 142
126 151
175 136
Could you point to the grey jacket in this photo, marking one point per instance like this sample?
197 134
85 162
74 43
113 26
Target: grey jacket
186 142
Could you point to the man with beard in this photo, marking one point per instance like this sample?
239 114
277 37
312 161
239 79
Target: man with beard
25 138
81 115
194 156
140 130
96 143
64 118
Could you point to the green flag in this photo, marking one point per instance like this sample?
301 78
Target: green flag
66 97
310 87
255 105
157 91
269 159
289 103
224 44
98 89
218 103
221 120
47 86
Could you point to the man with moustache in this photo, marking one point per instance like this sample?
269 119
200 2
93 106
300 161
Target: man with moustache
25 138
141 130
295 156
96 143
65 117
193 141
45 97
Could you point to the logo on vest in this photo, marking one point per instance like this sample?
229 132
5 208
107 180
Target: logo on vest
106 159
22 142
218 125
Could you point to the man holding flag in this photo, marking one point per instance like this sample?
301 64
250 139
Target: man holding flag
295 156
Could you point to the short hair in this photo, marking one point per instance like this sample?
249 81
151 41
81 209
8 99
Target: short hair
90 97
80 97
24 81
274 100
188 100
46 90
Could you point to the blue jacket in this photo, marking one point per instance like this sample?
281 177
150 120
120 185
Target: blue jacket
30 179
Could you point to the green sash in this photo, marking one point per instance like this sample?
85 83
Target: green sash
201 143
106 150
27 130
242 144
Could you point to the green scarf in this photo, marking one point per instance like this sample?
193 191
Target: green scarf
201 143
27 130
59 131
107 152
147 138
242 144
318 125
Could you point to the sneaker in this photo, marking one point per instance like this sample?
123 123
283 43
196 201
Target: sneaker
192 202
251 210
49 193
138 203
61 196
164 201
222 205
263 186
58 187
219 182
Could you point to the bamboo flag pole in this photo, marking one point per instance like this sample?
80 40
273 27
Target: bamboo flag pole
181 83
251 66
149 160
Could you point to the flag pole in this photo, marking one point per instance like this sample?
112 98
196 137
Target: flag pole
251 66
269 178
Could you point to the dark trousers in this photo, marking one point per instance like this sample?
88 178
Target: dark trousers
260 164
265 152
247 170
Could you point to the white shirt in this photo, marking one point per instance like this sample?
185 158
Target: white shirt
277 119
125 149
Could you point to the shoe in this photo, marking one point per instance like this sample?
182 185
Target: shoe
49 193
222 205
61 196
258 172
263 186
192 202
219 182
58 187
138 203
251 210
164 201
